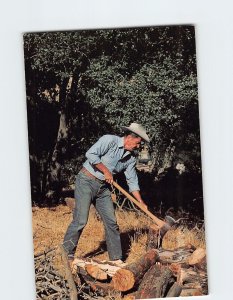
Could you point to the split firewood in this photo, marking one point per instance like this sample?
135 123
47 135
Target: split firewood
126 278
155 283
98 270
198 257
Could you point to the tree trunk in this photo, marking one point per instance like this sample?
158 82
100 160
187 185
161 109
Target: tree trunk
124 279
60 147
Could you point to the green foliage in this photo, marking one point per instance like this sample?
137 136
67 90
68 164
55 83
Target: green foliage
147 75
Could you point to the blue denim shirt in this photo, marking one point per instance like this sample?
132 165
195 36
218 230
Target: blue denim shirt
109 150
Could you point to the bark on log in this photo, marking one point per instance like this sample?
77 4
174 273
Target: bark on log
93 266
124 279
156 283
153 238
103 288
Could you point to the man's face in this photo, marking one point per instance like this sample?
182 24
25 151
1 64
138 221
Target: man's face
132 143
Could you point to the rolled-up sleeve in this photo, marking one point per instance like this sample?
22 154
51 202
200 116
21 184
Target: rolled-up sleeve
131 177
98 149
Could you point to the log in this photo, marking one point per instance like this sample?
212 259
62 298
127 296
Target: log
187 276
198 257
103 288
96 272
94 267
69 276
130 276
179 255
155 284
174 291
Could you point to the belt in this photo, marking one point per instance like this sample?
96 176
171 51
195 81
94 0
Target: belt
86 172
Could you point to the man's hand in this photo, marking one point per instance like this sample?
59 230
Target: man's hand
108 177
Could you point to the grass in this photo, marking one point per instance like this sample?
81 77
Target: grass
49 227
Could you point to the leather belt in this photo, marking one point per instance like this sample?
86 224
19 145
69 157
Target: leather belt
86 172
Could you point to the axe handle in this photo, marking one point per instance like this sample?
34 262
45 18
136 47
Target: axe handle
157 221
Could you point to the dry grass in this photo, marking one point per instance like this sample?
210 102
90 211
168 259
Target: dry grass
49 226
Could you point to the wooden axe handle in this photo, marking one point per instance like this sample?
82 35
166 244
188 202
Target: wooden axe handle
157 221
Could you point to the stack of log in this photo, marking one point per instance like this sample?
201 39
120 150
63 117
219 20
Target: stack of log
159 273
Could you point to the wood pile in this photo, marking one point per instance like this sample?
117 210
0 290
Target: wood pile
159 273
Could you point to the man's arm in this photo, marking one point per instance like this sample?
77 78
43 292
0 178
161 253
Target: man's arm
132 180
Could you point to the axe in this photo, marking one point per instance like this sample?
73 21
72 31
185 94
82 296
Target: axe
163 226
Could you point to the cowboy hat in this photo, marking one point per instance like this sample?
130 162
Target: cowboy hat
138 130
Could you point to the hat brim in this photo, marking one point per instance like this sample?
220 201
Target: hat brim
144 137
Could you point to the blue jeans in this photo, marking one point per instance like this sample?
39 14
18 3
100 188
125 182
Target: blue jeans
89 190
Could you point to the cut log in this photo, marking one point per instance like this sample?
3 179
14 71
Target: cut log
156 283
96 272
124 279
174 291
198 257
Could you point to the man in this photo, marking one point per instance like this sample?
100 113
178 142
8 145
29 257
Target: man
109 155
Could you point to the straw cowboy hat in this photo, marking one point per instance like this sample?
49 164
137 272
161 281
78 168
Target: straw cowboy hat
138 130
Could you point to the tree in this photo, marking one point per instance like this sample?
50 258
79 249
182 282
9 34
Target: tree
92 81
